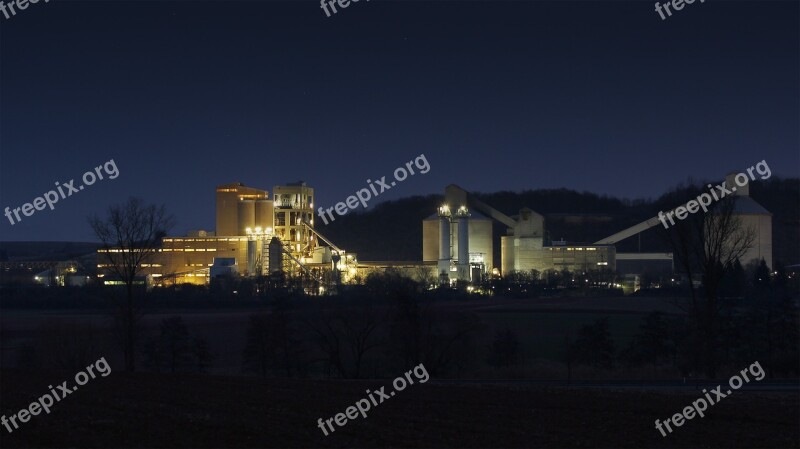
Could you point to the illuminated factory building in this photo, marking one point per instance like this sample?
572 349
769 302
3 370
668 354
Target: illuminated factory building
459 238
257 235
247 220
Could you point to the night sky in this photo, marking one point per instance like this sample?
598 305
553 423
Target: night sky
598 96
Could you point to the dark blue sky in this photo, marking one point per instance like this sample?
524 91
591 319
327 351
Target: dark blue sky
599 96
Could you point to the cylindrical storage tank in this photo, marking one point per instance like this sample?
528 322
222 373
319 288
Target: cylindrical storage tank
251 257
275 255
506 254
463 240
444 238
264 257
480 240
430 239
247 215
263 214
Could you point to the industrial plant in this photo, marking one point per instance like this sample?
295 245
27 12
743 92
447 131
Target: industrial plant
260 235
256 235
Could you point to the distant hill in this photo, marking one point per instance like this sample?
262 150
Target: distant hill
393 230
51 251
390 231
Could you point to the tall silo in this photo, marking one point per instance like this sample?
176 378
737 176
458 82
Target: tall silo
252 255
463 244
430 239
480 241
264 214
247 215
444 241
275 255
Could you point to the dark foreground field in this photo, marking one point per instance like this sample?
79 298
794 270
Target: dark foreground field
150 410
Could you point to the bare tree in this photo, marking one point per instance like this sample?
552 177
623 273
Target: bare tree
359 328
259 351
63 344
505 349
707 245
346 335
273 343
441 339
130 235
424 276
327 339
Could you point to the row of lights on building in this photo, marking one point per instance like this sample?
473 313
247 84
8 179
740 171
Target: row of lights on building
258 231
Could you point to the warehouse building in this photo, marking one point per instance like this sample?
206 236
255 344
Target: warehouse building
467 256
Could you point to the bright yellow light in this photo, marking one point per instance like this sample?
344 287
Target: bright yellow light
248 230
269 230
258 229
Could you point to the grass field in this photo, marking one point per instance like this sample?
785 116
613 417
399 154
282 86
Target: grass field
159 411
542 325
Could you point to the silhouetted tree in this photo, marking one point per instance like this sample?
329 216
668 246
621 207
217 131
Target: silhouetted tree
569 354
705 245
390 284
174 349
652 344
594 345
202 354
441 339
345 335
505 349
273 343
260 349
62 345
130 234
734 282
425 277
761 278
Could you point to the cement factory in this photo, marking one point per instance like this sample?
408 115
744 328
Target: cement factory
260 235
256 235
